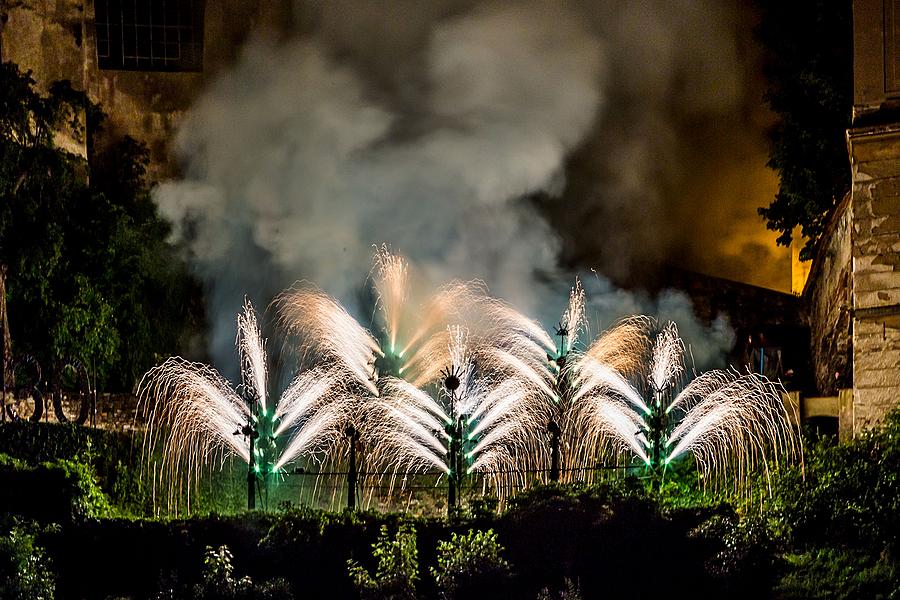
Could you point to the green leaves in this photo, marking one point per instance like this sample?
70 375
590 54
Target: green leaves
89 263
25 571
397 570
470 564
808 66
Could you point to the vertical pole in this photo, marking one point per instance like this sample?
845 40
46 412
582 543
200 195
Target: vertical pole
562 390
455 446
554 451
351 475
657 437
251 472
452 477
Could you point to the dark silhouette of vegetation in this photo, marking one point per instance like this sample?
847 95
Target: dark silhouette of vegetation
91 274
829 529
809 47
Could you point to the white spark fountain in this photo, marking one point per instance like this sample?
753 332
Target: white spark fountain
732 423
199 419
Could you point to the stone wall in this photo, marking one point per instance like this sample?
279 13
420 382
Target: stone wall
55 40
829 302
875 162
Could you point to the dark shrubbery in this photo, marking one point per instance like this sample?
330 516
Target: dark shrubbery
850 497
830 534
26 573
839 575
471 565
112 457
60 491
398 567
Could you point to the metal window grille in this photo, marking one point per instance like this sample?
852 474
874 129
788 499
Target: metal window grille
149 35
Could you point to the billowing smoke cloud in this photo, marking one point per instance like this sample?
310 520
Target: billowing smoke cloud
435 138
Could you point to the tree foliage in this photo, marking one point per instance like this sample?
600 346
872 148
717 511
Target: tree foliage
397 570
471 565
26 573
91 275
809 70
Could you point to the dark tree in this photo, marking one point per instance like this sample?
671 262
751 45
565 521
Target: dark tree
809 45
91 275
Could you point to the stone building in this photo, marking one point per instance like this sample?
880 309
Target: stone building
853 291
144 62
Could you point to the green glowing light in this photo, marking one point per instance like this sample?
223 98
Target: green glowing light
256 468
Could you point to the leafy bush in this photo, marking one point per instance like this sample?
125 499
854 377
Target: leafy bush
219 582
25 569
746 560
60 491
838 575
849 494
570 591
113 457
471 565
398 567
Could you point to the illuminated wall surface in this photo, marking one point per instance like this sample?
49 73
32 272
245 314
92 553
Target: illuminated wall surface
854 288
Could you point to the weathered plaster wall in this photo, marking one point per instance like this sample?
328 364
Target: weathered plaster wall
829 302
876 58
875 161
55 39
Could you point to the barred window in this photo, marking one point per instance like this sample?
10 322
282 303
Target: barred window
149 35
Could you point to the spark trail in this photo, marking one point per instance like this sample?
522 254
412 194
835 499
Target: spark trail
198 419
732 423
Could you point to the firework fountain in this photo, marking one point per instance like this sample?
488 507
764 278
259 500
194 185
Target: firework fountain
199 419
460 384
423 402
730 422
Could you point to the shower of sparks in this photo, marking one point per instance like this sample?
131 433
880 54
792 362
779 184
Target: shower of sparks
732 423
252 350
391 283
667 361
327 334
572 320
194 413
496 422
624 346
199 419
462 384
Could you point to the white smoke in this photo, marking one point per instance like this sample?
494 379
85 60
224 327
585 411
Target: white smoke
296 163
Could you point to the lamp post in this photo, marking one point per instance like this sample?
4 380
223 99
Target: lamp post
558 364
555 432
454 447
353 436
252 434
